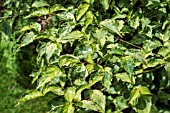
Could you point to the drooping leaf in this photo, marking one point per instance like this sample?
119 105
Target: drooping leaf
50 48
31 94
82 9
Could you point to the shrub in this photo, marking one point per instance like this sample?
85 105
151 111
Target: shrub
104 56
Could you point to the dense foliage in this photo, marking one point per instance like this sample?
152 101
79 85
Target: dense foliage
97 56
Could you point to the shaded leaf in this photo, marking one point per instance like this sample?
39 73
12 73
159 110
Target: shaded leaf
128 64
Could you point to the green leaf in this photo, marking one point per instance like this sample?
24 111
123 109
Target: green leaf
70 94
66 60
40 4
82 9
124 77
27 39
107 79
137 92
56 7
31 94
88 105
50 48
39 12
89 58
36 26
100 99
71 37
128 64
134 22
105 4
144 104
68 109
167 68
54 89
120 102
165 50
88 21
112 27
48 74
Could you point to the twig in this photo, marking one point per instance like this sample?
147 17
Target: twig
128 43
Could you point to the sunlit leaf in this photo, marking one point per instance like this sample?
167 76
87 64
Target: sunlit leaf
27 39
112 27
105 4
38 12
54 89
66 60
88 20
137 92
82 9
56 7
71 36
31 94
70 93
50 48
100 99
68 109
40 4
124 77
35 26
48 74
89 58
